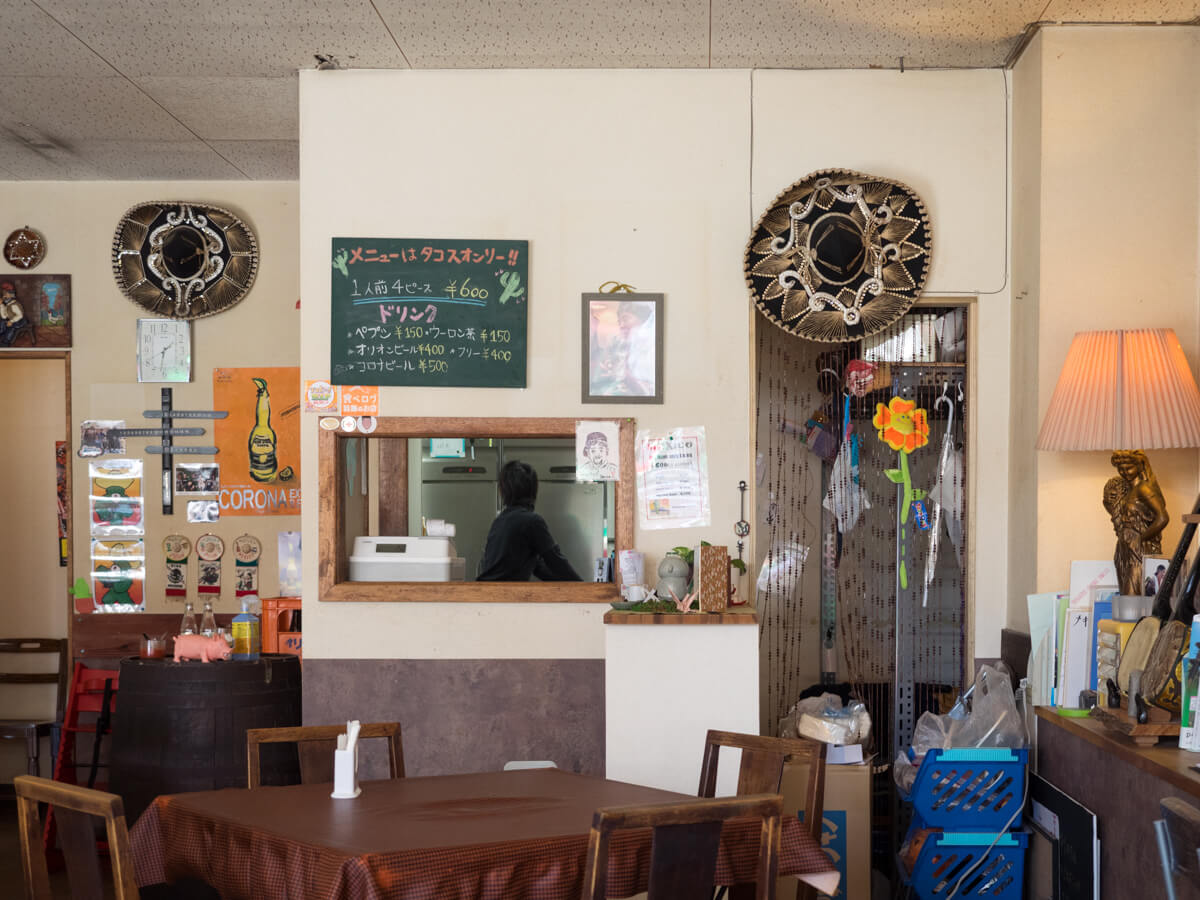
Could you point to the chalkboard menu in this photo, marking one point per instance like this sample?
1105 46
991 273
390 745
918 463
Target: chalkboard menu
415 311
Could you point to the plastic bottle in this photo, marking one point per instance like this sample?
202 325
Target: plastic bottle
247 636
188 624
208 622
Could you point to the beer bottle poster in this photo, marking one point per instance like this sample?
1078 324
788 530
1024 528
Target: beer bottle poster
259 441
428 312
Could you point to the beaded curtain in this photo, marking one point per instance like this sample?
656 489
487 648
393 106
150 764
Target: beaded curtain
798 381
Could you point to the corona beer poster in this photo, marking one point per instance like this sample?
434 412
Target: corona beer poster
259 441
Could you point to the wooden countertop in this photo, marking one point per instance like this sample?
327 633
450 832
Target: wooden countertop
1164 760
618 617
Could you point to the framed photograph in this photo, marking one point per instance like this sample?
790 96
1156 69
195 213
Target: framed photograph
622 348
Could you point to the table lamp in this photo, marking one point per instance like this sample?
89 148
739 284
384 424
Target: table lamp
1126 391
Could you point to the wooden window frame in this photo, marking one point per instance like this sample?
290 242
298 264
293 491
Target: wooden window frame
334 562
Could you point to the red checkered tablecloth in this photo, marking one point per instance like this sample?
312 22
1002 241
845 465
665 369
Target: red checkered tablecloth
501 835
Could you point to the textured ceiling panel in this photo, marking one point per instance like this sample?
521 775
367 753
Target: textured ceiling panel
263 160
157 160
67 110
231 109
859 34
27 164
32 43
1121 11
467 34
228 37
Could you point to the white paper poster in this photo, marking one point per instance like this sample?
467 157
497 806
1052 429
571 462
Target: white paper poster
672 479
597 451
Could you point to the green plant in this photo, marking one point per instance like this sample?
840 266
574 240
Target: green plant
689 553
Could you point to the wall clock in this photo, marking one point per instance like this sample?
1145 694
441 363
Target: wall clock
164 351
24 248
183 260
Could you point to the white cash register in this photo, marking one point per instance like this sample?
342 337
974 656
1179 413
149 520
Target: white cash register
406 559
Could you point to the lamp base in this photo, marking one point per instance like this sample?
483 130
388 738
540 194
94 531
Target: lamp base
1139 514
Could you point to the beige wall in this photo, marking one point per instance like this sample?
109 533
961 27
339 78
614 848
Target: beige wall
78 221
1118 143
653 178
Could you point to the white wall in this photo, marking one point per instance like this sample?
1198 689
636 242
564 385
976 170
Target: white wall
1119 213
653 178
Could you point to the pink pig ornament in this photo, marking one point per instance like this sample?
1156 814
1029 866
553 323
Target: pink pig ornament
196 646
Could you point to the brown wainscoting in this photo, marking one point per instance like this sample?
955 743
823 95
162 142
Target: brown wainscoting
469 715
104 638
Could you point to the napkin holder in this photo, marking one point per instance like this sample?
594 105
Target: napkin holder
345 765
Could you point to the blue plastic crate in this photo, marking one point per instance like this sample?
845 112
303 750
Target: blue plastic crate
946 856
975 789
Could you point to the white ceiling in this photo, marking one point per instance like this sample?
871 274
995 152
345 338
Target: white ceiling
207 89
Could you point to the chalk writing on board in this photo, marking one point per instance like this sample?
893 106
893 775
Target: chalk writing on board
429 312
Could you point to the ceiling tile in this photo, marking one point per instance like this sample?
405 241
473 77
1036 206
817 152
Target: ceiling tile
27 164
466 34
858 34
1121 11
262 160
32 43
75 109
228 37
157 160
231 109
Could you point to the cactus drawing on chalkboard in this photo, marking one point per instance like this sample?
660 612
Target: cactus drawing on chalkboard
512 287
339 261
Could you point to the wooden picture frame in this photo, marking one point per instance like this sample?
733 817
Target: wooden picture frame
622 348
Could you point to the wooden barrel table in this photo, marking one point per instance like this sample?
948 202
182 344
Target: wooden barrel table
181 726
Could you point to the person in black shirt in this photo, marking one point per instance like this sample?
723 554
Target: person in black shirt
519 543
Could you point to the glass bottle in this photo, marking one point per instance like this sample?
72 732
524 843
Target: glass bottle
263 464
188 624
208 622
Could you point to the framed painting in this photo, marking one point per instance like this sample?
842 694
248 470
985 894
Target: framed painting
35 312
622 348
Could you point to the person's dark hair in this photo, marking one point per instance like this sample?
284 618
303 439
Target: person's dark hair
518 484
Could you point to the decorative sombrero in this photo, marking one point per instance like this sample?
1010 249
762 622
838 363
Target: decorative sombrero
839 255
183 260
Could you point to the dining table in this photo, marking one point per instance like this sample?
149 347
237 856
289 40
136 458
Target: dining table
511 835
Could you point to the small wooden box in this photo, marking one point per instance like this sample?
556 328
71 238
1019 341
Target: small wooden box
712 577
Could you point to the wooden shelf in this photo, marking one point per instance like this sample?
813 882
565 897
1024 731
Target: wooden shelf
619 617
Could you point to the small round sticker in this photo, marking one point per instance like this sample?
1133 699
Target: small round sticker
367 424
320 395
329 423
349 423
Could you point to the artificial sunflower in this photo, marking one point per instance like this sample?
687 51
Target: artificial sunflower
901 425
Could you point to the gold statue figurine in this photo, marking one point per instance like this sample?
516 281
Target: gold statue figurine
1139 515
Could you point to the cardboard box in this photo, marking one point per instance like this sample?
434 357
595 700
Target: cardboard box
846 825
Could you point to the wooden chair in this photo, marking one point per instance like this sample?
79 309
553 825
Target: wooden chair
761 772
1178 833
315 745
683 855
32 730
74 808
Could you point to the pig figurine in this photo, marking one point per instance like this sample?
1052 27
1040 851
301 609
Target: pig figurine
195 646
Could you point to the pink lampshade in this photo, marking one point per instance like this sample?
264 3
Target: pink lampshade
1123 390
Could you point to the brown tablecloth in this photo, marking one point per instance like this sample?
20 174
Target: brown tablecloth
502 835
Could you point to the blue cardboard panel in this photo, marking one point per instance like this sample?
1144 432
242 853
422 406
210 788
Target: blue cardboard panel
833 842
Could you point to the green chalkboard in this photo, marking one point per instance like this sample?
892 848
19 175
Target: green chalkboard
416 311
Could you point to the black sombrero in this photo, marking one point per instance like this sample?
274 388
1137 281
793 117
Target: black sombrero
839 255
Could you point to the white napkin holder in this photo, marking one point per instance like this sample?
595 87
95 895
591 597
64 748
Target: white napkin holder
345 764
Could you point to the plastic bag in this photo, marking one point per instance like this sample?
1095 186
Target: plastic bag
825 719
992 721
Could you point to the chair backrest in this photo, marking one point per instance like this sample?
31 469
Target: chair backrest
687 834
1183 839
74 808
315 745
39 645
761 772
